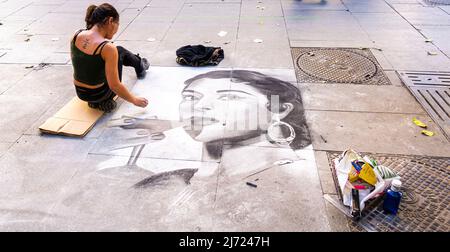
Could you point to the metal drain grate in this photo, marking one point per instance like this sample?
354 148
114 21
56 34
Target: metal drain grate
337 65
432 90
426 187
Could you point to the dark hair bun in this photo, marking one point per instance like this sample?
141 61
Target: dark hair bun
100 14
90 10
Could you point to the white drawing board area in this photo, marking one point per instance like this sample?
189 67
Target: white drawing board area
196 150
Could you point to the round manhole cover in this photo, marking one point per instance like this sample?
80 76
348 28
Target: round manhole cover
337 65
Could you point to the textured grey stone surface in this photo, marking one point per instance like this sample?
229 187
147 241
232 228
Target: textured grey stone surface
376 132
15 73
334 97
18 113
52 183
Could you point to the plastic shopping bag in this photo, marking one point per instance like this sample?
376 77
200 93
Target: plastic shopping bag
345 169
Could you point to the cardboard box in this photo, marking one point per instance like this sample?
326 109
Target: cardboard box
76 118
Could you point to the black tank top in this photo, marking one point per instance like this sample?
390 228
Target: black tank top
87 68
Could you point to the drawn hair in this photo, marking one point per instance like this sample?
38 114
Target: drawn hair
270 86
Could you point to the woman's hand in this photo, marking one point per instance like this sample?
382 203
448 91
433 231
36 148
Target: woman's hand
140 102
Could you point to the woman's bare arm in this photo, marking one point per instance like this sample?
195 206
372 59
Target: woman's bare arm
111 56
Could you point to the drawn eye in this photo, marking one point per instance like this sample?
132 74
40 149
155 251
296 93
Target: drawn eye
189 97
229 97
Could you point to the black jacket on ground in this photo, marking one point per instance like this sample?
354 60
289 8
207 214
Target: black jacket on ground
199 55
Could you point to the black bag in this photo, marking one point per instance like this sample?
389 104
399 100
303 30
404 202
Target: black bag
199 55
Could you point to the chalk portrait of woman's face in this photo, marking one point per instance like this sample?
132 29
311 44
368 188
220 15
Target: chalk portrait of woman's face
222 116
205 105
237 105
203 145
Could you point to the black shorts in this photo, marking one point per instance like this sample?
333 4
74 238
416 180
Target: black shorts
96 95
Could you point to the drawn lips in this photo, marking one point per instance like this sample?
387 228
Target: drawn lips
203 121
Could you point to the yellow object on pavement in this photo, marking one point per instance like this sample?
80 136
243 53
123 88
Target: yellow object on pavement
419 123
427 133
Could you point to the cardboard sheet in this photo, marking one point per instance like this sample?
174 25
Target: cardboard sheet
76 118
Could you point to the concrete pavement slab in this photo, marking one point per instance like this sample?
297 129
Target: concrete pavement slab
128 14
403 1
21 215
51 23
230 9
209 20
325 33
42 82
122 7
366 6
418 60
290 7
263 55
138 30
267 29
57 58
81 6
394 78
261 9
159 14
365 43
19 112
381 20
420 15
101 197
410 7
139 4
375 132
9 7
47 2
359 98
162 15
379 33
4 146
187 34
381 58
213 1
32 12
277 197
10 27
440 35
165 3
26 198
330 25
42 47
338 221
42 161
213 14
446 9
14 72
325 175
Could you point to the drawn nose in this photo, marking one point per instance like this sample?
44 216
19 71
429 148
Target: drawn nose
203 105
